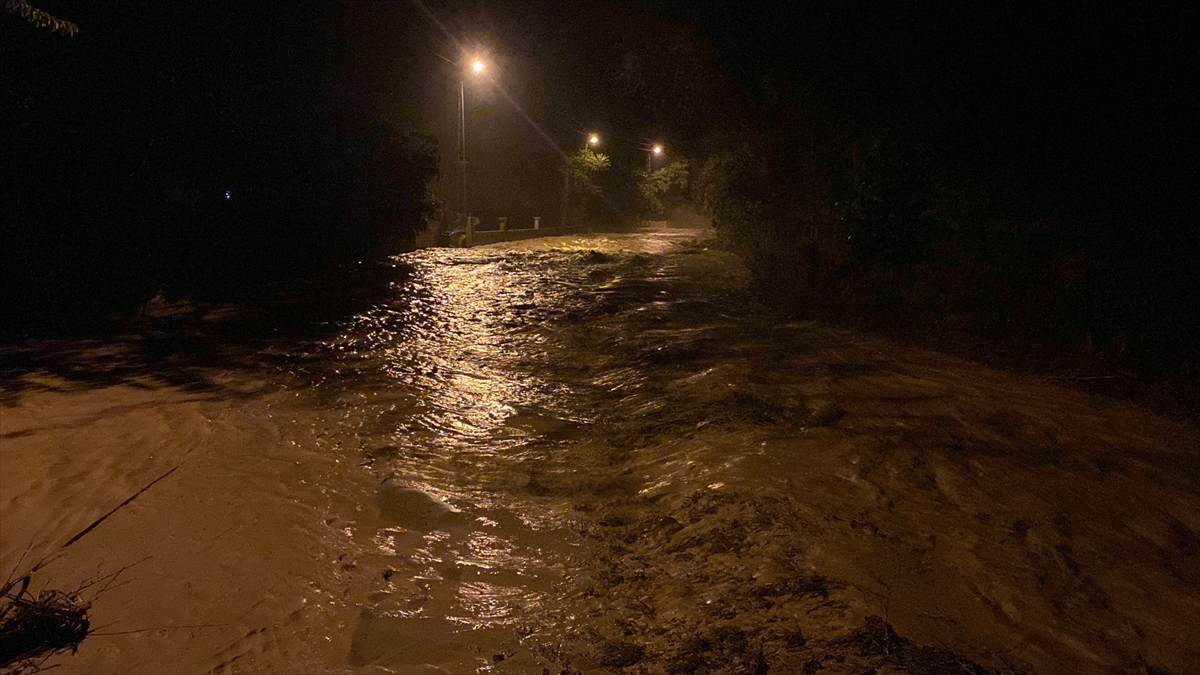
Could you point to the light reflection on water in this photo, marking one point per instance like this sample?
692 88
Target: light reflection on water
450 343
490 604
488 383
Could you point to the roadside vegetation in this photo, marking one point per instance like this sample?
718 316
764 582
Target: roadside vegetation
587 203
857 201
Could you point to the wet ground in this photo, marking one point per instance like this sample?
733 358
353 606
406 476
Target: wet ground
593 454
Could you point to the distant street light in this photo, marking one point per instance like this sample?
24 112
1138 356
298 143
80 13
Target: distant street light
477 66
655 150
593 140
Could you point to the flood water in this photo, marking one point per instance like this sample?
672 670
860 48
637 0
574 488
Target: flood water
589 454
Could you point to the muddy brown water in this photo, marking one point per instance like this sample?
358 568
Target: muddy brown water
595 454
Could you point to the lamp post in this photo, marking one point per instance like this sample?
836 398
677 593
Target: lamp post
655 150
477 67
593 140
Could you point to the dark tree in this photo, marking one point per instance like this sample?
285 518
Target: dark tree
192 148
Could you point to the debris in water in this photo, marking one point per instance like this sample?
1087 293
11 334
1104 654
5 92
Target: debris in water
33 628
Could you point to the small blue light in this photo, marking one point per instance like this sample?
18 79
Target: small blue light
228 195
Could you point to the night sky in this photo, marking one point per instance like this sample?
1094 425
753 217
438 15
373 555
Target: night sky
1085 109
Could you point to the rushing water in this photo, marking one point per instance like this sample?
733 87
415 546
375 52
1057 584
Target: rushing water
589 453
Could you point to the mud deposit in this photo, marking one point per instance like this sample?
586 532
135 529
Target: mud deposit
590 455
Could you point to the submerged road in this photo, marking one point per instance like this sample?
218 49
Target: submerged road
598 454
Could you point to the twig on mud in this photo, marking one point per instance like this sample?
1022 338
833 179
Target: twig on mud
36 626
111 577
132 497
46 561
887 608
97 633
18 565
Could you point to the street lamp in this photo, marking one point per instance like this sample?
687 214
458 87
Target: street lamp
593 139
655 150
477 67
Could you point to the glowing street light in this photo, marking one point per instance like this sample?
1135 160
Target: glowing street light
655 150
593 140
477 66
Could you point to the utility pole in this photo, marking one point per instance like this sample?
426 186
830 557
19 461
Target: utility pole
566 192
462 157
593 139
477 67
